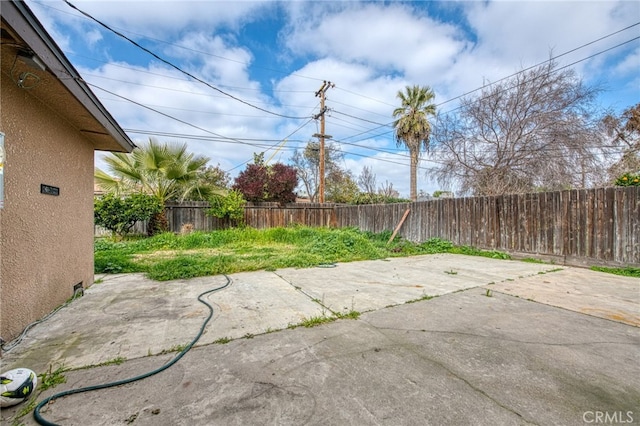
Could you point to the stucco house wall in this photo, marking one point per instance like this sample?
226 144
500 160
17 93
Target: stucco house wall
52 123
46 240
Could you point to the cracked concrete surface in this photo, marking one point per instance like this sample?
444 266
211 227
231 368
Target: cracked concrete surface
460 358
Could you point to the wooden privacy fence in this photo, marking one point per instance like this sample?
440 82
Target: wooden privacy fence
193 214
260 215
578 226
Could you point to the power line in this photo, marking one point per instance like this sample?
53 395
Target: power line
244 141
359 118
554 71
513 75
170 77
252 141
43 4
337 121
364 96
377 100
544 62
268 146
193 125
198 111
333 101
195 111
162 113
180 69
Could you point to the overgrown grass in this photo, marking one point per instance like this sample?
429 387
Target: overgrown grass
169 256
626 272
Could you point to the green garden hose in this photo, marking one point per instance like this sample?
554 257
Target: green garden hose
41 420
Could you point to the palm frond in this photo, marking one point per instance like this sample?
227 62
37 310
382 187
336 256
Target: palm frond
167 171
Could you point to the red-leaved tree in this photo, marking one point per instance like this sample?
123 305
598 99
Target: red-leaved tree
259 182
251 182
282 182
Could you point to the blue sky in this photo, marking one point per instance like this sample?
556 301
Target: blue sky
272 57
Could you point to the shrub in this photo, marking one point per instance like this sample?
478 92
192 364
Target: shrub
230 206
628 179
119 214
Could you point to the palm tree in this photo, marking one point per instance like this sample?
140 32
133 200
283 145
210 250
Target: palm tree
166 171
412 127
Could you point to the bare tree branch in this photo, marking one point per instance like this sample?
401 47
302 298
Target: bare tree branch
537 130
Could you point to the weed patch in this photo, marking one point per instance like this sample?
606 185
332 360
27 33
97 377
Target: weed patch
625 272
52 378
349 315
323 319
27 409
174 348
315 321
532 260
419 299
116 361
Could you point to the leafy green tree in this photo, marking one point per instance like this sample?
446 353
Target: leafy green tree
442 194
163 170
119 214
412 127
228 206
341 187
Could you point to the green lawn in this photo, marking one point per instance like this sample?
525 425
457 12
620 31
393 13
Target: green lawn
169 256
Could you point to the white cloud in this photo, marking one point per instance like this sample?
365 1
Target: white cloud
525 33
160 18
630 65
389 39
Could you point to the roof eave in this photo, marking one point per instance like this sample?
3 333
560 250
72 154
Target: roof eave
42 45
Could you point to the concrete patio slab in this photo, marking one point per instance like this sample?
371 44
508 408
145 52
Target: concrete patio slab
376 284
458 359
581 290
467 356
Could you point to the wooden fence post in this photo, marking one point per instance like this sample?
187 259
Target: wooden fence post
404 216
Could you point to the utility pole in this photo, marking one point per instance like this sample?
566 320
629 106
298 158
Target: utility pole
326 85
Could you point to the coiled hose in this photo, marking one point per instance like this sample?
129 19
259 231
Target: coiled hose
41 420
